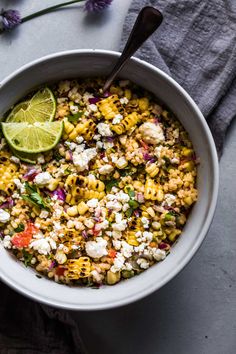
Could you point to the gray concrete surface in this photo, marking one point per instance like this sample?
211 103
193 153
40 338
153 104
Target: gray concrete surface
196 312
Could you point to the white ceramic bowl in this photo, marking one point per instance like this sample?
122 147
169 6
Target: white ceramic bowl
88 63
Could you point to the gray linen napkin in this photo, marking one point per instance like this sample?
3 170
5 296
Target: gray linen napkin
26 327
196 45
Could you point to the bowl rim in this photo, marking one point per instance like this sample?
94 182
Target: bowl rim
213 200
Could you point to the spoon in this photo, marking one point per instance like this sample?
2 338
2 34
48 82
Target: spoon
148 20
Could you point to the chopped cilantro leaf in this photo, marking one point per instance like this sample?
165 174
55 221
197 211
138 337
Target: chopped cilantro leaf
27 257
75 117
20 228
111 183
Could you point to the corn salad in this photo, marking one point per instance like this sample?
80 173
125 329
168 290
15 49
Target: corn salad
114 195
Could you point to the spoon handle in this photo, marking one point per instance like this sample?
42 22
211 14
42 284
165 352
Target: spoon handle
148 20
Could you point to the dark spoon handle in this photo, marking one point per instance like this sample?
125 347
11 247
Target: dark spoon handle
148 20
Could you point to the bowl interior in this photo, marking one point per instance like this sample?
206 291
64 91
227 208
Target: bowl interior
98 63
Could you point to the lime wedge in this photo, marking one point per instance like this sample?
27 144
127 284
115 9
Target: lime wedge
24 156
33 138
41 108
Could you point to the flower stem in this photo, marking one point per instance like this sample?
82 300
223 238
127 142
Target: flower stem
48 9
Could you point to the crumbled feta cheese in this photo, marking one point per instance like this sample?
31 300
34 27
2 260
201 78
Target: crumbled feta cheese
122 197
92 203
105 159
120 226
114 158
43 178
119 261
169 199
116 234
43 245
147 236
116 244
117 119
72 146
44 214
96 276
143 263
57 225
158 254
151 133
125 207
104 129
15 195
93 107
7 242
99 145
4 216
89 223
139 249
103 225
82 159
127 266
124 100
87 96
97 137
108 144
79 139
106 169
175 160
96 249
15 159
74 109
145 222
114 205
121 162
19 185
127 249
40 160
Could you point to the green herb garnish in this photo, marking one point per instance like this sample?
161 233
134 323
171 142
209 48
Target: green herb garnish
133 204
111 183
34 197
20 228
75 117
129 212
27 257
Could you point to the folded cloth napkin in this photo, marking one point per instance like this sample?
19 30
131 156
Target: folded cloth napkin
26 327
196 45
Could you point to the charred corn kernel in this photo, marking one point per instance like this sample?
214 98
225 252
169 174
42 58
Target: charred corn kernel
173 235
73 135
128 94
82 208
78 268
68 198
127 123
151 212
187 152
143 103
73 211
60 257
152 169
138 185
188 200
128 188
86 128
68 127
188 166
131 238
110 107
156 225
152 191
112 278
53 184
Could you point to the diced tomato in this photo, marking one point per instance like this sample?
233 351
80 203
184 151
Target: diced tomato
22 239
60 271
112 253
144 145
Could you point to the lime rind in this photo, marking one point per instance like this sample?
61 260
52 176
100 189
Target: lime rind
41 108
33 138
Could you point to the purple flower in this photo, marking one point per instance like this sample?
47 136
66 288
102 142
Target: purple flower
97 5
10 19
